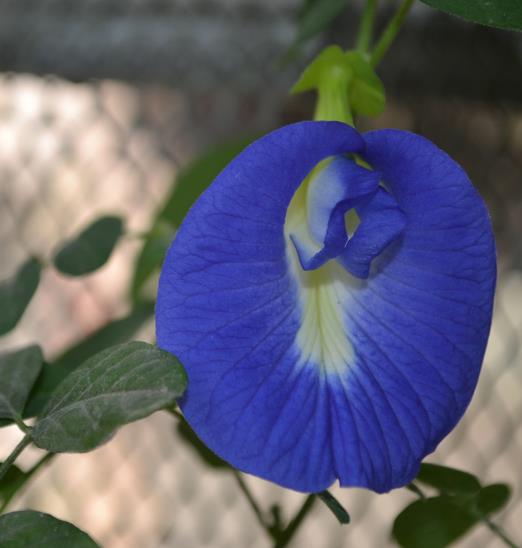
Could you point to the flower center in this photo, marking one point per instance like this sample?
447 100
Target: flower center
339 212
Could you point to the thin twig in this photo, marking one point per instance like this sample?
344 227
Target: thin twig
28 475
250 498
26 440
364 36
286 536
414 488
20 423
390 32
497 530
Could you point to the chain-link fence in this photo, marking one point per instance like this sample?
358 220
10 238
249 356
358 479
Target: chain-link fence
171 78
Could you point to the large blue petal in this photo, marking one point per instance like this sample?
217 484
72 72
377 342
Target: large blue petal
302 378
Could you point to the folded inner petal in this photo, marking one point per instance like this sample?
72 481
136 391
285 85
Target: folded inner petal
316 217
382 221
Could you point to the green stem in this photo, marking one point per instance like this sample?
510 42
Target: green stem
414 488
44 460
20 423
286 536
26 440
250 498
332 102
364 37
28 475
494 528
390 32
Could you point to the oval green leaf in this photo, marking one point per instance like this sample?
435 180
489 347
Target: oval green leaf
432 523
16 293
117 386
505 14
28 528
448 480
91 248
115 332
493 498
18 373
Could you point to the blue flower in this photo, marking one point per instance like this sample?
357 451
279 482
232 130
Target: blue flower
332 313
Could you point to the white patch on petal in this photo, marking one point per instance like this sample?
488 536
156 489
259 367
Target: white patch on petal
324 294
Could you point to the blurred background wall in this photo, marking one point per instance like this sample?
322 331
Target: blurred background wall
101 103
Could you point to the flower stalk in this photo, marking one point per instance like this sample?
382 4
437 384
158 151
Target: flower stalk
390 32
26 440
366 27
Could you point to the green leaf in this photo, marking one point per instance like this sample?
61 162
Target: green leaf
117 386
115 332
16 293
335 507
18 373
91 248
211 459
493 498
366 92
432 523
12 482
448 480
505 14
316 16
151 256
188 186
29 528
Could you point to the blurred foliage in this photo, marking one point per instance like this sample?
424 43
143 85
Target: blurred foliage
16 293
90 249
505 14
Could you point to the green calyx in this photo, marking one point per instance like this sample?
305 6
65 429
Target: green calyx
346 85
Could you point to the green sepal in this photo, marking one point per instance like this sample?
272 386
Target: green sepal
366 92
346 83
331 64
